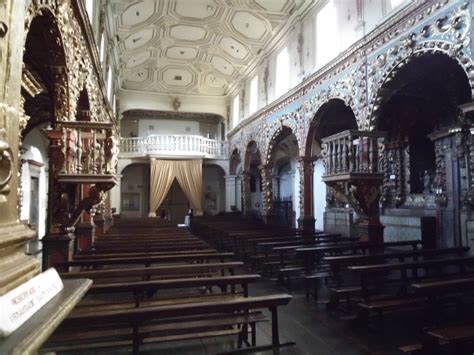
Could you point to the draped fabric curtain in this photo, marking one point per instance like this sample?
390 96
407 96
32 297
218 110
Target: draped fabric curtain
189 176
161 178
188 173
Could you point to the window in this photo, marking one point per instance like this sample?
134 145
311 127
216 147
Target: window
109 83
327 44
235 110
102 48
396 3
282 72
90 9
253 105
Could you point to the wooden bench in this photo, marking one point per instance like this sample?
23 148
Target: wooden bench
147 273
152 324
143 289
145 260
403 299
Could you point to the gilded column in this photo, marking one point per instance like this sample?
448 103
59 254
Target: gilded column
15 266
267 191
247 197
306 169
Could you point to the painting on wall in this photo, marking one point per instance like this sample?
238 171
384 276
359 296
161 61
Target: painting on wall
210 200
130 201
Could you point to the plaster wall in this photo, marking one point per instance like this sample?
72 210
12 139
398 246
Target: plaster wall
213 199
35 147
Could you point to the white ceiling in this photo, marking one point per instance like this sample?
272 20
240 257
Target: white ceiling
196 47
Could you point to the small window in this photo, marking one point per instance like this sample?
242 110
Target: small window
102 48
396 3
109 83
90 9
282 72
235 110
253 104
327 44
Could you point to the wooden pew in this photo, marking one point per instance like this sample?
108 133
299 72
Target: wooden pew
153 272
404 299
210 313
145 260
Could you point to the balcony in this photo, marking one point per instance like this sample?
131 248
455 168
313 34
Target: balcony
173 146
352 155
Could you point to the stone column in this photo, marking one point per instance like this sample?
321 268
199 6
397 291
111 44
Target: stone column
238 192
230 192
15 266
306 220
267 191
247 194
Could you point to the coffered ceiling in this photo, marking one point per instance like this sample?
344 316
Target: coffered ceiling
196 47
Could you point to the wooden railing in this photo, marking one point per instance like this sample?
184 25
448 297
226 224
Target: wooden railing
351 153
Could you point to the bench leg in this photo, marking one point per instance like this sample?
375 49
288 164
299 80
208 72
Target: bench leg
275 332
253 326
315 284
136 340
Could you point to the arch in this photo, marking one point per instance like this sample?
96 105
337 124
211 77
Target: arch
392 69
223 164
134 190
214 190
252 152
332 117
83 112
234 161
42 38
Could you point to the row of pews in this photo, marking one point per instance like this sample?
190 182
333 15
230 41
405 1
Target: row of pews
157 284
363 281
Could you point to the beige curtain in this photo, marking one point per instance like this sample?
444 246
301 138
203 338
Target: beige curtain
161 178
189 176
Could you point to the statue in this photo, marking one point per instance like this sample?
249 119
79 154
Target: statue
426 183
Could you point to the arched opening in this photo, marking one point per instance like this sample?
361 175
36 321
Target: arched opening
135 191
83 107
213 194
284 160
234 186
331 118
419 108
253 180
39 105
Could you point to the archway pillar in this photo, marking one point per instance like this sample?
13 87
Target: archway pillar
306 221
267 192
247 194
230 192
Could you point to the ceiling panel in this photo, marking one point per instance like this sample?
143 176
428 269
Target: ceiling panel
195 47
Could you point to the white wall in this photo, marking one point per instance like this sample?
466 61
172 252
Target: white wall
351 27
150 126
319 194
145 127
35 147
213 199
135 184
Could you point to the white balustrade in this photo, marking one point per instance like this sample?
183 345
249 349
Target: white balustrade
175 144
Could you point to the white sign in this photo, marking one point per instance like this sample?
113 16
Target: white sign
18 305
